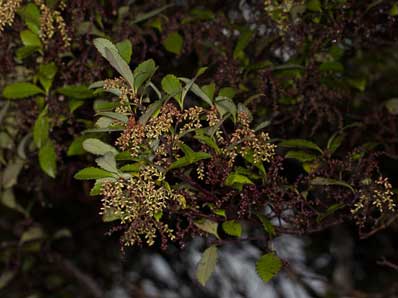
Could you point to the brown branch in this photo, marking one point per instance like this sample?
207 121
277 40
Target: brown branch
87 282
386 263
379 228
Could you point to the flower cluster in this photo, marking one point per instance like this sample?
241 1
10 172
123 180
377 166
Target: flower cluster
8 9
245 141
379 196
279 10
140 201
52 20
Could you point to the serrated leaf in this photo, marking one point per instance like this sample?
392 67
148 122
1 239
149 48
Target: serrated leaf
125 49
300 143
173 43
328 181
120 65
21 90
206 265
107 162
110 52
91 173
208 226
232 227
268 266
48 158
97 147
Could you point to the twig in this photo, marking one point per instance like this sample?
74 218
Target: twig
87 282
379 228
385 262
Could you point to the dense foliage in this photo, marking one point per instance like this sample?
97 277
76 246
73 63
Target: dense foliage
236 121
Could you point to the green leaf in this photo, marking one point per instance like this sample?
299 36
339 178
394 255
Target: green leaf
24 52
190 157
268 266
392 106
207 226
30 13
48 158
91 173
76 147
173 43
116 116
232 227
32 234
21 90
96 189
151 110
41 129
331 210
209 141
125 49
30 39
7 198
300 143
46 75
97 147
172 86
11 172
76 91
107 162
227 92
110 215
334 142
328 181
109 51
6 277
144 16
226 106
313 5
243 41
237 180
197 91
301 156
135 167
209 90
143 72
206 265
267 225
